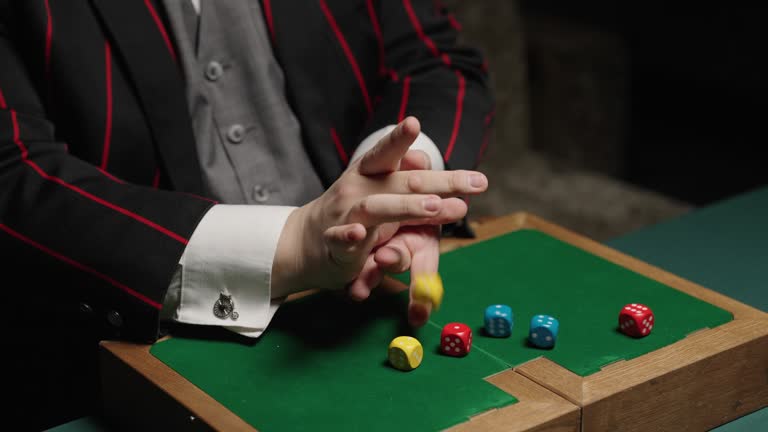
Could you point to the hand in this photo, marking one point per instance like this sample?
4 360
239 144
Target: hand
418 248
414 247
328 243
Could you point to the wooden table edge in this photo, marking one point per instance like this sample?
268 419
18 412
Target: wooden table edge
536 408
549 396
159 377
747 332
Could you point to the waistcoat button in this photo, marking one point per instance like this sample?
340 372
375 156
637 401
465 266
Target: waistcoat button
236 133
260 194
214 71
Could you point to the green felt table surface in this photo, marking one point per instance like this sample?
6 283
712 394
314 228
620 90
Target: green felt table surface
712 246
323 366
535 273
327 357
723 247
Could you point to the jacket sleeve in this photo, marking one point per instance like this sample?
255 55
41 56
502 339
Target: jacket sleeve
82 244
431 76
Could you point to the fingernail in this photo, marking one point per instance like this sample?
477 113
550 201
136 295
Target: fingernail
432 204
477 181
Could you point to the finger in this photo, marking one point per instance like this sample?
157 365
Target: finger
393 257
386 231
385 156
454 210
415 160
424 261
382 208
443 183
344 242
368 279
391 285
418 313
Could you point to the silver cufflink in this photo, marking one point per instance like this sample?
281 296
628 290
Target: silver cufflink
225 308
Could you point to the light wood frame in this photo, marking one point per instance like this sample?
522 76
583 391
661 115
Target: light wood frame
142 393
705 380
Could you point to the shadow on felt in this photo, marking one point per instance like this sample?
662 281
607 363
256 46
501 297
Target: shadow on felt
330 320
320 321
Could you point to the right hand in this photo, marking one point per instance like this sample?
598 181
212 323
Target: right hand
329 242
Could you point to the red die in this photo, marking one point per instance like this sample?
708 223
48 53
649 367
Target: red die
456 339
636 320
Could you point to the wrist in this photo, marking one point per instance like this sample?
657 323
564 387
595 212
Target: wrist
287 261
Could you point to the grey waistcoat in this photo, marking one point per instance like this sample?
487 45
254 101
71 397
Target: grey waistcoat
248 138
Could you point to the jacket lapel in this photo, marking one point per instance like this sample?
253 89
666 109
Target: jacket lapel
303 59
158 81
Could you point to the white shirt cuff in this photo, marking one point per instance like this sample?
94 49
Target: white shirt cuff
230 252
422 142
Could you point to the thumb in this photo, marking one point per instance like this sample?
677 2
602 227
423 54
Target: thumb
346 243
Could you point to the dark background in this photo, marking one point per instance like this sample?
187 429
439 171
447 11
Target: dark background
612 116
697 99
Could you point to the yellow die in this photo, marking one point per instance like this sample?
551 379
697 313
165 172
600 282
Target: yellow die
405 353
428 288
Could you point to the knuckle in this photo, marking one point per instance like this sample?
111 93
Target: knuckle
461 180
350 252
345 191
336 213
410 205
364 206
330 236
334 208
372 154
414 182
453 181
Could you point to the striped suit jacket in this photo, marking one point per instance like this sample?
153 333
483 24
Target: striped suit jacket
99 176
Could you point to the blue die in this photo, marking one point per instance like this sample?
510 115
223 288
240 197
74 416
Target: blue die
498 320
543 331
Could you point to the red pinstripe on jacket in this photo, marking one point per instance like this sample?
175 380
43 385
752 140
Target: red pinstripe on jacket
96 141
98 168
